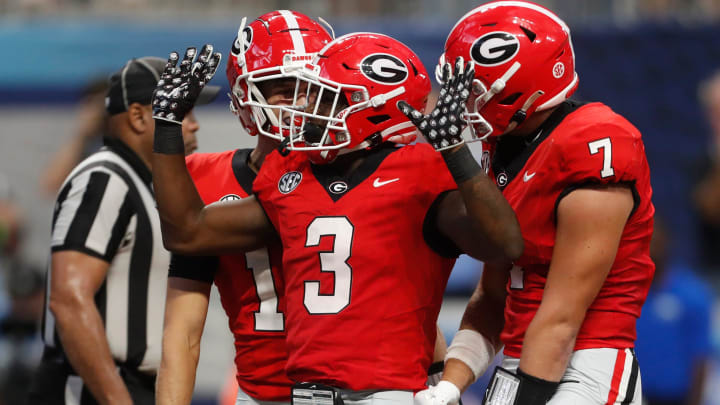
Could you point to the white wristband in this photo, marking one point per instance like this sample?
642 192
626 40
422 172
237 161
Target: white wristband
446 393
473 349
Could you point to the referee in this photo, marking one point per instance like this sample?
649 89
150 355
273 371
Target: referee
107 277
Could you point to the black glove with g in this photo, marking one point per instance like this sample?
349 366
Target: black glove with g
180 86
442 128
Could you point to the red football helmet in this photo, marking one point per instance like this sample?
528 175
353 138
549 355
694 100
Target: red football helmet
269 48
524 62
352 88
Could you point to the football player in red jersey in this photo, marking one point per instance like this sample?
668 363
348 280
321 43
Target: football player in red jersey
578 179
250 285
369 230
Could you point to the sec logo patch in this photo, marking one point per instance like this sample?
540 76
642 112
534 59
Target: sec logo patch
289 182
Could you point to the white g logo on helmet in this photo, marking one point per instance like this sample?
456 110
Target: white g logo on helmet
384 68
494 48
243 41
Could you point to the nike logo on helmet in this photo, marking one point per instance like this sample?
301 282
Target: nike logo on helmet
377 183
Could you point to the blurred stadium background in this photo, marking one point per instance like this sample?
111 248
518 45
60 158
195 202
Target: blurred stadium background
645 58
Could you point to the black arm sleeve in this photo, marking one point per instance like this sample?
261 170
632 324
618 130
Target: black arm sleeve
433 237
198 268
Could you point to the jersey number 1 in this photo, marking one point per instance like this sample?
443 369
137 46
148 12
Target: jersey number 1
606 146
334 261
267 317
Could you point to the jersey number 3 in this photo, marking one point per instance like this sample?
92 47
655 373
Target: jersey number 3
606 146
334 261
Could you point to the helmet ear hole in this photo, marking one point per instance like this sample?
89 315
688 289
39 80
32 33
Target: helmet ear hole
511 99
377 119
412 65
531 35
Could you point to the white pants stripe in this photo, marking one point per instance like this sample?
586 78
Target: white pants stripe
623 378
596 377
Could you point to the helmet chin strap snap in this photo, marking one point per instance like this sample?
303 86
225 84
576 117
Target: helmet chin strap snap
283 147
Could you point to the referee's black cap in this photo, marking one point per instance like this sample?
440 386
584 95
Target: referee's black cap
136 81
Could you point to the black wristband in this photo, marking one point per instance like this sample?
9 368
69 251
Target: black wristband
168 138
533 390
461 163
435 373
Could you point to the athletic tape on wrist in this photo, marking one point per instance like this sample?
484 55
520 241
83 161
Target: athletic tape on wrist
462 164
168 138
447 392
473 349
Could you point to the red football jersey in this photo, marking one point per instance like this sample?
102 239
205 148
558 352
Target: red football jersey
363 284
578 145
250 285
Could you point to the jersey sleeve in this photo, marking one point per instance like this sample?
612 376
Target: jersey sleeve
263 186
197 162
603 153
198 268
433 184
92 214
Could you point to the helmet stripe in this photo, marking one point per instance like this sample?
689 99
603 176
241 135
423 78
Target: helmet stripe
395 128
292 24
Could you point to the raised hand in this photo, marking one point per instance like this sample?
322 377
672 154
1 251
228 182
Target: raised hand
443 126
179 86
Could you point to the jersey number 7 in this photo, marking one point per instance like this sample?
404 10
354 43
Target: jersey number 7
606 146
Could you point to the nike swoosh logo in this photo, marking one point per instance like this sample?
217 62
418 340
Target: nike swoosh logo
378 183
527 176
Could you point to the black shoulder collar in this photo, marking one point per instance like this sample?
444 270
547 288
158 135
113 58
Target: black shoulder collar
513 152
337 184
244 175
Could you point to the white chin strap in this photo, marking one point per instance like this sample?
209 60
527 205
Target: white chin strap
375 102
497 87
499 84
260 114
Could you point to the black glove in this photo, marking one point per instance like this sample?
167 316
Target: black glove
518 388
443 126
179 87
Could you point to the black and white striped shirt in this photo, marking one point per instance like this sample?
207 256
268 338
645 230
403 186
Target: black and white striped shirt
106 209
